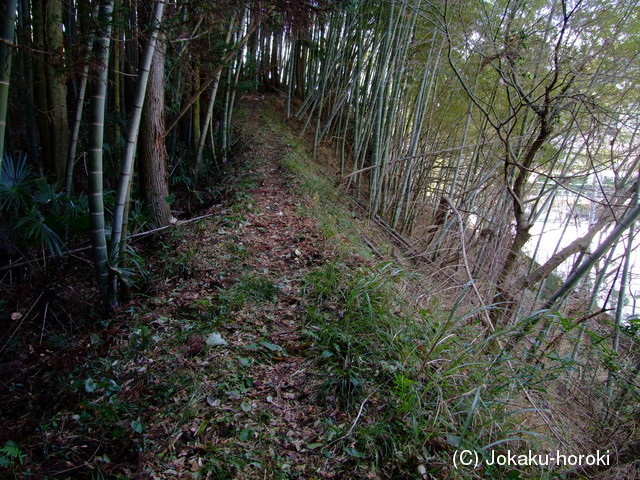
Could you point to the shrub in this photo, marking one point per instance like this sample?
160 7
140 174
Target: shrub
33 211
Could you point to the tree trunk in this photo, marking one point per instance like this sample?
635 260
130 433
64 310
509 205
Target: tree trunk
212 98
237 47
517 192
152 150
25 62
57 90
504 295
579 245
207 120
116 85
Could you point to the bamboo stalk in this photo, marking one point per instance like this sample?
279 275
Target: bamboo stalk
96 142
77 121
123 192
7 31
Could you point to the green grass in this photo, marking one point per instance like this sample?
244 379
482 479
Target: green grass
416 385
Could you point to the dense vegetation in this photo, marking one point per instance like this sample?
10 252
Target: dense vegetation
496 144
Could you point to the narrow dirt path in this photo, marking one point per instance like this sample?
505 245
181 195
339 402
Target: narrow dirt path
259 404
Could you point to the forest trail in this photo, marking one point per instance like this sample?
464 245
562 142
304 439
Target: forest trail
259 404
256 343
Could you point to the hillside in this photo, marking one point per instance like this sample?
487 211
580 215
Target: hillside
278 337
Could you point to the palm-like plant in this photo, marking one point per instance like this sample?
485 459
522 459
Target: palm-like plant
33 210
16 177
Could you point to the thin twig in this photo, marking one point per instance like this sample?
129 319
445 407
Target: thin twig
87 247
488 321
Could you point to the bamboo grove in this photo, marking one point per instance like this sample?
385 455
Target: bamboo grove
468 128
476 129
466 125
99 94
482 115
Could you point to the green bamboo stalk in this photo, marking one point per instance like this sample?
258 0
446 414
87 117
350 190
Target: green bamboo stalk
7 31
622 293
178 81
592 302
226 118
290 78
96 142
207 120
77 121
209 114
418 117
381 86
123 192
234 90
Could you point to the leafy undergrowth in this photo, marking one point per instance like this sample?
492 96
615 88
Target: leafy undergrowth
271 340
